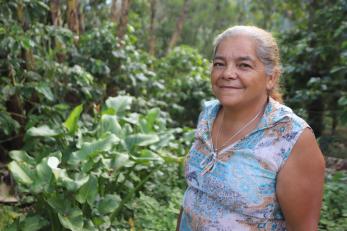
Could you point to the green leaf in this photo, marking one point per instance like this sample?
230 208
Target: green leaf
44 176
120 160
20 155
27 43
140 140
88 191
45 91
71 122
42 131
43 5
21 172
69 183
58 202
72 219
148 124
342 101
109 203
109 123
88 149
119 104
33 223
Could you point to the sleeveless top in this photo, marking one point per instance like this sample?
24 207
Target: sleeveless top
239 193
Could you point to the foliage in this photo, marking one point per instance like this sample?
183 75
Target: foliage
314 67
334 210
8 215
128 151
81 176
183 76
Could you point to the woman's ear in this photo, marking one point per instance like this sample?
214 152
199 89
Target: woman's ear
272 80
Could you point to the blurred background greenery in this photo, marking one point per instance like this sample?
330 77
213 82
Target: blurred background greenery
99 99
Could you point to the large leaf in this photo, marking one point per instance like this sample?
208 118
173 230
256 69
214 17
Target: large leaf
72 219
33 223
71 184
22 172
21 156
121 160
44 175
58 202
146 155
140 140
71 122
119 104
109 123
88 149
147 123
42 131
45 91
88 191
109 203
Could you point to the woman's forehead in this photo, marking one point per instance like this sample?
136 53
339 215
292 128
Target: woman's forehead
245 58
240 47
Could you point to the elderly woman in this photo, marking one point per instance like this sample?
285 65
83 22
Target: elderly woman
254 165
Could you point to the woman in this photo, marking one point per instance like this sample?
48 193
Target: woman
254 165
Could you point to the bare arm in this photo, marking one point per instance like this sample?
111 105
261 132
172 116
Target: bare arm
300 184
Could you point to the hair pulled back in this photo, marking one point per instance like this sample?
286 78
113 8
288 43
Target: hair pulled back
266 49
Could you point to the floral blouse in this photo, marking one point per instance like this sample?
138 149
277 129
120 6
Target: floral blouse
239 193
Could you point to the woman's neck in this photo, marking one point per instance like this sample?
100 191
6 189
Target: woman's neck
234 118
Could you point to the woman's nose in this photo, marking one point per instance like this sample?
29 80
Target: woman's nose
230 72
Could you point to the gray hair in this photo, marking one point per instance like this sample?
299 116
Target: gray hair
267 50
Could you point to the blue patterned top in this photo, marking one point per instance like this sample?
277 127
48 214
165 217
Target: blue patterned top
239 193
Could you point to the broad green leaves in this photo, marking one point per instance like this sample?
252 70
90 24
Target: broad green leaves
89 191
71 122
91 170
72 219
22 172
119 104
42 131
90 149
109 203
109 123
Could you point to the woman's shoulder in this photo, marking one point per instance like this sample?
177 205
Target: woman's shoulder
283 113
209 109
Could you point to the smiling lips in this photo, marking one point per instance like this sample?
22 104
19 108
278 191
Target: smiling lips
229 87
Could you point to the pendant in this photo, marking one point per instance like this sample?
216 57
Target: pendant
209 163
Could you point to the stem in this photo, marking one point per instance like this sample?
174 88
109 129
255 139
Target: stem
131 193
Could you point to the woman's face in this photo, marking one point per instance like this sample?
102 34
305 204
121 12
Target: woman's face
238 77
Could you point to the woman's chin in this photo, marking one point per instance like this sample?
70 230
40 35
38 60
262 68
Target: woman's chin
230 100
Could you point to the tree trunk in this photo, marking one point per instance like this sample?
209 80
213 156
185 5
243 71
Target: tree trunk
315 108
179 25
152 38
80 16
72 16
123 21
27 54
57 21
56 13
315 112
116 10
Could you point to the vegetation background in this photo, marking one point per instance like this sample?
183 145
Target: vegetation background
99 99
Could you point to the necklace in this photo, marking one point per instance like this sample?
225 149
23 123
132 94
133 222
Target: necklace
209 163
235 134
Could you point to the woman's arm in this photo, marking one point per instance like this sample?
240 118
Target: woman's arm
300 184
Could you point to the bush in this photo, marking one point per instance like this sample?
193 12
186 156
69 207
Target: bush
84 174
334 209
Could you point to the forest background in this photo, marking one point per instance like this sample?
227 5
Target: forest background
99 99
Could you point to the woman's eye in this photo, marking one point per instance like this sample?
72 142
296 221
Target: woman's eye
218 64
245 65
